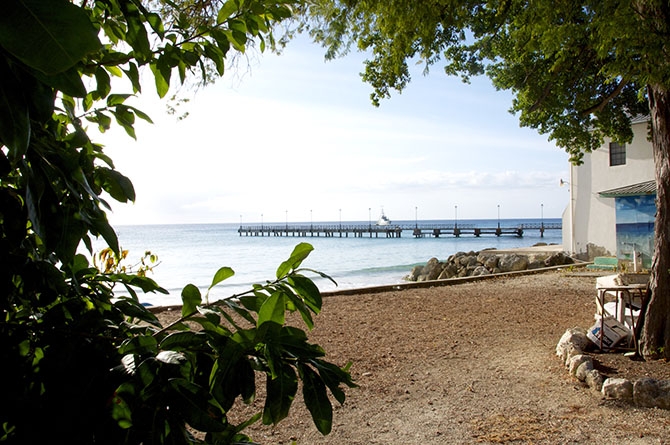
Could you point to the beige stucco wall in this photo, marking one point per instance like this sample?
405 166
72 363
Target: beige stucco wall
593 216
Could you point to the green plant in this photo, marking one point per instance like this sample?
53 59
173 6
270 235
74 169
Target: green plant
81 363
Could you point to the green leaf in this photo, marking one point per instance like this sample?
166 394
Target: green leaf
114 70
61 33
221 40
211 315
103 85
228 368
237 39
272 310
310 293
68 81
155 22
146 284
141 344
300 252
101 225
215 55
162 73
136 34
208 325
316 400
197 407
183 340
131 308
133 75
121 412
332 376
116 99
227 10
14 117
280 394
191 299
236 379
294 342
222 274
126 119
104 122
240 310
253 302
117 185
299 304
142 115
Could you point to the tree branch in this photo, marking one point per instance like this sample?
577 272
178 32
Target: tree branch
599 106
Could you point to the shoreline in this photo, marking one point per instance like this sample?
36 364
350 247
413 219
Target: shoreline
398 282
409 285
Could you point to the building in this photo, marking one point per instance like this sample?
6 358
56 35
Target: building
612 207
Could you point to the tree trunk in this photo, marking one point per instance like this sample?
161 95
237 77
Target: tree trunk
655 340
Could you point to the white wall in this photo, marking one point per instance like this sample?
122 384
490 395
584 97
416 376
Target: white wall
593 216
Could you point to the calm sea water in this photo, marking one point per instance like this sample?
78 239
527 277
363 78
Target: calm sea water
193 253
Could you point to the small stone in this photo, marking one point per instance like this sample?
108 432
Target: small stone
584 369
594 380
576 361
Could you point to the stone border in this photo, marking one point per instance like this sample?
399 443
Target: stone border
644 392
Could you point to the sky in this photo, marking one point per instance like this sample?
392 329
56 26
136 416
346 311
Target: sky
294 138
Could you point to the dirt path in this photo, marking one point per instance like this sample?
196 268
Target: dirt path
472 363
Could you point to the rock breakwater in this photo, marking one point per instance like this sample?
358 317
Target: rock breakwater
485 262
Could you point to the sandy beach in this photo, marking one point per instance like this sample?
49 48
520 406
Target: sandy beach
469 363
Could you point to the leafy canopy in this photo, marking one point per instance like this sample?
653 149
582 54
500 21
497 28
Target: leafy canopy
579 71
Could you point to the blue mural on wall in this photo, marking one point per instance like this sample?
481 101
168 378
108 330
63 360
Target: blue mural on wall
635 217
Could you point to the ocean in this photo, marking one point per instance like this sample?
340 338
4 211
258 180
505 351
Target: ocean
192 253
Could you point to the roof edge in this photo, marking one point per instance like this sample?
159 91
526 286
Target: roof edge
641 188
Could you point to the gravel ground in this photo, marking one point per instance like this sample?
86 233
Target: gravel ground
469 363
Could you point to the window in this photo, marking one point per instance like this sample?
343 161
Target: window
617 154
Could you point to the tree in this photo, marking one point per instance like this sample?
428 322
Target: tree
579 72
81 362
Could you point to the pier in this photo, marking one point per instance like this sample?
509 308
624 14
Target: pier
389 231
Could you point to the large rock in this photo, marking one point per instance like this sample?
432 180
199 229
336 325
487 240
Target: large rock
619 389
450 270
479 271
573 342
468 260
513 263
465 264
652 393
488 260
415 273
431 270
558 259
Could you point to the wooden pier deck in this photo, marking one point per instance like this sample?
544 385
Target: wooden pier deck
390 231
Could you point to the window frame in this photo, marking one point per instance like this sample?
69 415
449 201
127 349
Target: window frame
617 154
